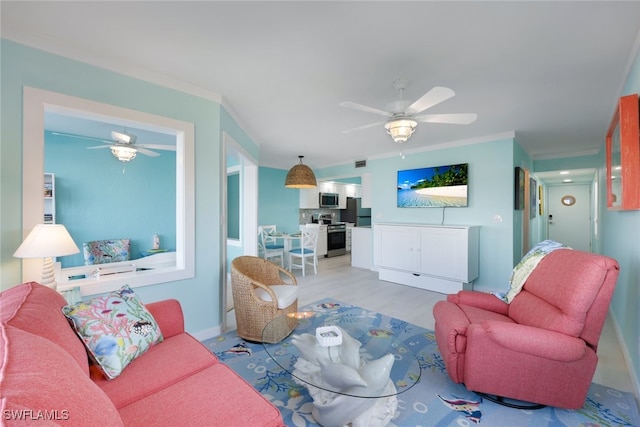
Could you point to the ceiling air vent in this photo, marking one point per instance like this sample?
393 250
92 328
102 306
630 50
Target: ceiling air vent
361 163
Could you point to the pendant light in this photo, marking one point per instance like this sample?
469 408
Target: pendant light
300 176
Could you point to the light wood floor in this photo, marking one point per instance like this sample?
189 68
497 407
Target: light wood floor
337 279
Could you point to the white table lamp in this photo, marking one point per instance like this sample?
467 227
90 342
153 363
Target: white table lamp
47 241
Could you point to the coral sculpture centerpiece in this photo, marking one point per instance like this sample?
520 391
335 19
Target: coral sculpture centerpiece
344 384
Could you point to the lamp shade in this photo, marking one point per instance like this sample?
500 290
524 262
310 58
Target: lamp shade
47 240
300 176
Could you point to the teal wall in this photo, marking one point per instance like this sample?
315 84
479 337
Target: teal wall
277 204
229 126
521 159
621 240
490 194
343 173
491 187
99 197
22 66
233 252
350 180
233 206
566 163
618 237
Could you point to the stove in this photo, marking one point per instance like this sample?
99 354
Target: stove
336 239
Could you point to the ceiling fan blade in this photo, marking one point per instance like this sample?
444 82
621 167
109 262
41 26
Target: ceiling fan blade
370 125
435 96
157 146
356 106
455 119
147 152
90 138
98 146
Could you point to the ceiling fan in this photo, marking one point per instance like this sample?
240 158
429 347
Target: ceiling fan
403 116
123 145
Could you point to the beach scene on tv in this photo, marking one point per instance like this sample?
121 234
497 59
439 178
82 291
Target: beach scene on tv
440 186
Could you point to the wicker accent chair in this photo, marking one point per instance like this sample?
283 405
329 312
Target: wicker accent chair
262 291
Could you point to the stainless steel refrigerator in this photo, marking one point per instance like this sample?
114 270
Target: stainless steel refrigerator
355 213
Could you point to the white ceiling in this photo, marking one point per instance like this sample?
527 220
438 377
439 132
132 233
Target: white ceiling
549 71
567 177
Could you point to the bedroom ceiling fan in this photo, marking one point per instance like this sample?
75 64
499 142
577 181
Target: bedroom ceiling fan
403 116
123 145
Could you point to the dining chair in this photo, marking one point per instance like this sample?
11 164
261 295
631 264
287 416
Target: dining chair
307 252
268 245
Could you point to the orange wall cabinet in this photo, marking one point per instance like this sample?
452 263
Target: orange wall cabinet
623 156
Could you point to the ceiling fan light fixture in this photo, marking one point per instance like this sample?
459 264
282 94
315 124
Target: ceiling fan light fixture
401 128
124 154
300 176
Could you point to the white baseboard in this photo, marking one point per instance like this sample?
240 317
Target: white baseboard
627 357
208 333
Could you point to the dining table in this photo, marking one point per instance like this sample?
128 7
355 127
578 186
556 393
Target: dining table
289 243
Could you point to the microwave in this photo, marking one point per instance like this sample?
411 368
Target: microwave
328 200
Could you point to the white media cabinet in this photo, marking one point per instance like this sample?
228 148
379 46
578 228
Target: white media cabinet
440 258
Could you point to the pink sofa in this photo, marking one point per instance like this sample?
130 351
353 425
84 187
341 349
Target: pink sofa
542 347
46 374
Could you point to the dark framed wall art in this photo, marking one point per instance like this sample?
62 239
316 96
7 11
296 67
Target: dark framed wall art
519 189
533 198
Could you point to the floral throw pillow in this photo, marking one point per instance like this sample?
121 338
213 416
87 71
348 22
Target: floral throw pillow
115 328
105 251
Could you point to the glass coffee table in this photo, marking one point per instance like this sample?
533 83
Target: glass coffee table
352 369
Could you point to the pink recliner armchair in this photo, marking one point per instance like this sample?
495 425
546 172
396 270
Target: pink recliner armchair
540 348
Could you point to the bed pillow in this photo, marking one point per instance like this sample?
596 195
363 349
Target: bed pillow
115 329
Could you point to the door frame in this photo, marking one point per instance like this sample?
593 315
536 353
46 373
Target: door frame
586 176
593 209
248 169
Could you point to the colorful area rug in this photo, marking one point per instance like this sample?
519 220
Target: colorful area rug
434 401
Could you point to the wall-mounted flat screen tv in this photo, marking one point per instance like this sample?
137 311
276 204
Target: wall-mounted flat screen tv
433 187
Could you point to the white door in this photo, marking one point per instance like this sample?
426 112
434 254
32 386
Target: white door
569 215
